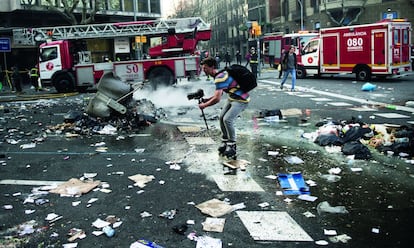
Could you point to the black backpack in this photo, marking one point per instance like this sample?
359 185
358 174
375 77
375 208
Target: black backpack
244 77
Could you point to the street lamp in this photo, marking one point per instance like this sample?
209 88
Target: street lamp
301 14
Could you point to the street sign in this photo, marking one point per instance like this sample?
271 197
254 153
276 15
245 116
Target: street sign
5 45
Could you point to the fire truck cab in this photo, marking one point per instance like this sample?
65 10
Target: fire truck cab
275 43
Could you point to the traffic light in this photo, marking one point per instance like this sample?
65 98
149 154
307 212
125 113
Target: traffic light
256 29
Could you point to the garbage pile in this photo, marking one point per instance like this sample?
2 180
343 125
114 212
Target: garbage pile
357 138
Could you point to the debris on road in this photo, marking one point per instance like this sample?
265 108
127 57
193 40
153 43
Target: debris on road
75 187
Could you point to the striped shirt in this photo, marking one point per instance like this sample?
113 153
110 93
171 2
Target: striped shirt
224 81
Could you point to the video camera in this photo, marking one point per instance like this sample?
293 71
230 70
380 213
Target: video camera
196 95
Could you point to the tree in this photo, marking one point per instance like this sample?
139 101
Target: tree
345 15
68 7
188 8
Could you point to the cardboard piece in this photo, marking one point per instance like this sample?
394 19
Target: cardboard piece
215 208
238 163
141 180
75 187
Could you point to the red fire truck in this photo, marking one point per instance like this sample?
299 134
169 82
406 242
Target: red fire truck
76 57
380 49
275 43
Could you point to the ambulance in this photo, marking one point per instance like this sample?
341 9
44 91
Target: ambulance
381 50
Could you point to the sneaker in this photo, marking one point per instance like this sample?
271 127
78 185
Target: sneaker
230 152
281 86
292 90
222 147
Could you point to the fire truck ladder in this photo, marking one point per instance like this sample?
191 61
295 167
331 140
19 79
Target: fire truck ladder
32 36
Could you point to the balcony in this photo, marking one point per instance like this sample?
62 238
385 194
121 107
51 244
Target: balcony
329 5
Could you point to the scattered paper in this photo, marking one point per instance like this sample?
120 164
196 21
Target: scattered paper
75 187
208 242
329 232
213 224
99 223
215 208
307 198
141 180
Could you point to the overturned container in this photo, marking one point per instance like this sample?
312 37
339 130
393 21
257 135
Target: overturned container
111 92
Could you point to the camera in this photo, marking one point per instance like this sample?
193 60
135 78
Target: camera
196 95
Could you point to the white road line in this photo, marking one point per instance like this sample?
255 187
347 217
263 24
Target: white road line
29 182
350 98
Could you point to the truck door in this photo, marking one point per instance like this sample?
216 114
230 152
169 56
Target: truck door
329 55
310 57
49 61
379 50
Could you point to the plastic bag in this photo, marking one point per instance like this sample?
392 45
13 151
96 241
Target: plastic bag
279 67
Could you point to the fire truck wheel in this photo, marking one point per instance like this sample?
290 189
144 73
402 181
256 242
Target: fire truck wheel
300 72
363 73
64 82
160 76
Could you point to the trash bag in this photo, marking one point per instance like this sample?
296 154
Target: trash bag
328 139
368 87
355 133
356 148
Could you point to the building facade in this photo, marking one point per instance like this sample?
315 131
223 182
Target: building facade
230 18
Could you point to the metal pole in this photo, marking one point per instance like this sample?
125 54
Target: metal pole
202 113
301 14
258 56
135 10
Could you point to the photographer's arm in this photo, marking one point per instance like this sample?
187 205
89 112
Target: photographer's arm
212 100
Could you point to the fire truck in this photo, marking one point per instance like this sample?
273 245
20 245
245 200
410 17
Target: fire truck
75 57
275 43
380 49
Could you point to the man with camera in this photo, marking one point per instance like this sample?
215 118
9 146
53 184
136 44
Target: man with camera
237 101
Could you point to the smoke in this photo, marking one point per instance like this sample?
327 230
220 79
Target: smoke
167 96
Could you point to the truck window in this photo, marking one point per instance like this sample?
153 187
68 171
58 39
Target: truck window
48 53
405 36
396 36
311 47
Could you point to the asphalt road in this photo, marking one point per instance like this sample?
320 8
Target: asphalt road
187 171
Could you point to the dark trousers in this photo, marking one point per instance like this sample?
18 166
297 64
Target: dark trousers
253 67
17 84
34 82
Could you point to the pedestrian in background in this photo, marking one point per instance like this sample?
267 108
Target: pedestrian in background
289 64
247 58
253 61
227 58
218 59
237 101
16 80
238 57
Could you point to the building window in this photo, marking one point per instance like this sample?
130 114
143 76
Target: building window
114 5
155 6
143 6
129 5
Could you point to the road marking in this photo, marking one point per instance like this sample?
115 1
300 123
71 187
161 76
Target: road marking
350 98
29 182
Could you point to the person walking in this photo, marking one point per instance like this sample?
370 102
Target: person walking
218 60
248 56
289 64
34 76
227 58
238 57
237 101
16 80
253 61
